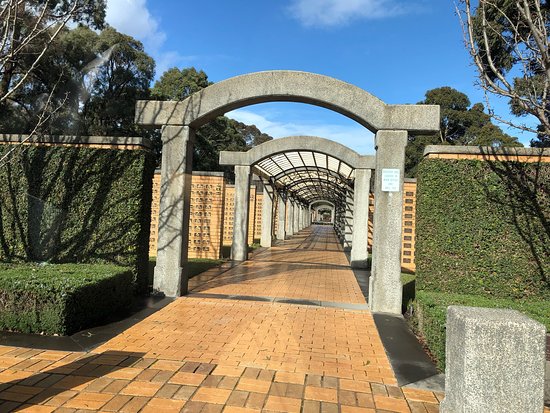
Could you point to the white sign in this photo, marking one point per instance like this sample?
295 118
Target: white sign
390 180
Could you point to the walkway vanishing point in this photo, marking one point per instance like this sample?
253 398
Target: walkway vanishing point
287 331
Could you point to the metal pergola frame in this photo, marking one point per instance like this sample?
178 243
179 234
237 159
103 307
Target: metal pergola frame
308 175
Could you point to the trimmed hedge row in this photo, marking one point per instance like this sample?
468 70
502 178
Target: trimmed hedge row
483 228
430 313
61 298
66 204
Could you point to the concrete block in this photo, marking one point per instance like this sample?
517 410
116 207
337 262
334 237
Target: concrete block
495 362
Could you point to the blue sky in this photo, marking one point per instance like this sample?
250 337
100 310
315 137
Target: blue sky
394 49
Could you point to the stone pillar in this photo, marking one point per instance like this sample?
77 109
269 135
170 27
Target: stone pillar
495 362
296 226
333 215
267 217
281 206
348 220
385 292
170 275
359 249
301 218
239 247
290 217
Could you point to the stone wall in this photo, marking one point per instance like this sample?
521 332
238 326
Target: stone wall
208 193
408 224
482 153
206 217
258 217
408 232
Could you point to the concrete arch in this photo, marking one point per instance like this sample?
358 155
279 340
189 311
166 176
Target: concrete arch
392 124
322 201
289 86
297 143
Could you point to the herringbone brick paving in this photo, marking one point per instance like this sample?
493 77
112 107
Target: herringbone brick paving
214 355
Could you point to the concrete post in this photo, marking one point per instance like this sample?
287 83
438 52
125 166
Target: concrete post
290 217
359 244
348 220
267 217
239 247
495 362
385 292
296 226
281 206
170 275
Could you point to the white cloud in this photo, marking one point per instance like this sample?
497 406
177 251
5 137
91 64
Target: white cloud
340 12
354 136
132 17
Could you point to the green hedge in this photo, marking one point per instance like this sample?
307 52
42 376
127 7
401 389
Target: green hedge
483 228
65 204
61 298
430 312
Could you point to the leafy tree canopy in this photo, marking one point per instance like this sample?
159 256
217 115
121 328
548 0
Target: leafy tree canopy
92 80
461 124
29 28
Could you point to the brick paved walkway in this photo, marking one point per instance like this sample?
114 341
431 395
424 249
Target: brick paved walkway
310 266
211 355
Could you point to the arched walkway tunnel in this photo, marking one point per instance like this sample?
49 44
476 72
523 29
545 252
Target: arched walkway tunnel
322 212
297 175
299 172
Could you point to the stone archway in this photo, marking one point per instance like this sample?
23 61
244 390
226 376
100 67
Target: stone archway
179 120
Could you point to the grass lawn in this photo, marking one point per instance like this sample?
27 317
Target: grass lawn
429 312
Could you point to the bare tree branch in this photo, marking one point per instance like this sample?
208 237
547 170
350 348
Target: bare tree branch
509 45
42 21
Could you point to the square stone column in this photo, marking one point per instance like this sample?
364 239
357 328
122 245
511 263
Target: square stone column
290 217
296 226
281 216
360 236
170 275
495 362
385 289
348 221
239 247
267 217
300 217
